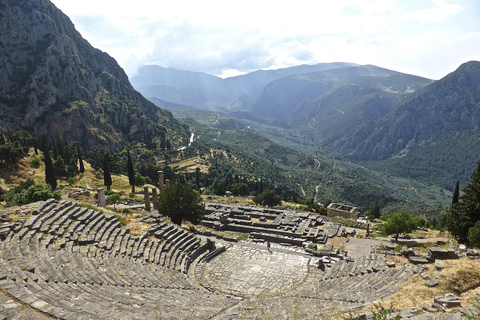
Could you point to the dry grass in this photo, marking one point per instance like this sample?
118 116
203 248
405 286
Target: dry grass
189 165
13 175
460 276
20 213
136 225
339 242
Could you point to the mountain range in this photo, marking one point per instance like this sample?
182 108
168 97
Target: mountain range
383 119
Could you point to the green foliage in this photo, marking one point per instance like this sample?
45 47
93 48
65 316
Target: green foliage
268 198
181 202
456 193
107 178
382 313
10 153
474 235
239 189
32 193
375 210
114 199
35 162
288 172
131 171
464 214
400 222
71 180
50 177
140 180
80 159
314 207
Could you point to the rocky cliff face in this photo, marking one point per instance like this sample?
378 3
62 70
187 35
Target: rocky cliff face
448 106
53 81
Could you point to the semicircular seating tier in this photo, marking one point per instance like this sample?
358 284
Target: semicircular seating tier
72 262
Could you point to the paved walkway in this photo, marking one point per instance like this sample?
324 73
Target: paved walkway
252 272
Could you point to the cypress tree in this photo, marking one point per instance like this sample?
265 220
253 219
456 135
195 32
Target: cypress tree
131 172
456 193
197 173
107 178
80 160
49 171
55 153
35 146
466 212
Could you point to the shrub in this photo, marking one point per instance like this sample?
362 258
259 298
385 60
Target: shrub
31 194
71 180
35 162
268 198
181 202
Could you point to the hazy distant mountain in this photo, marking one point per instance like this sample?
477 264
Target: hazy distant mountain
203 91
52 81
324 105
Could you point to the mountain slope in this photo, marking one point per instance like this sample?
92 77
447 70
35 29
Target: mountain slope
246 154
324 104
52 81
450 105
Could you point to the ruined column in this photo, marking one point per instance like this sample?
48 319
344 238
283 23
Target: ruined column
167 183
161 186
154 196
101 197
146 196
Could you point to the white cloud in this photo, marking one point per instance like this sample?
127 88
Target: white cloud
221 37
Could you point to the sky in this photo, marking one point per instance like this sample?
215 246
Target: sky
428 38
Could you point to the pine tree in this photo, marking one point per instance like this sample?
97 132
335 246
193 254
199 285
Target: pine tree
456 193
107 178
49 171
131 172
80 159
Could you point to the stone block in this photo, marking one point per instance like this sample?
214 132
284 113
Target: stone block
431 283
417 260
448 300
439 265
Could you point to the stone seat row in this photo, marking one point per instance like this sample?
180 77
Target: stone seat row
352 267
104 272
86 226
361 289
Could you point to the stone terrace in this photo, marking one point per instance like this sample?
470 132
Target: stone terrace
71 262
269 224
